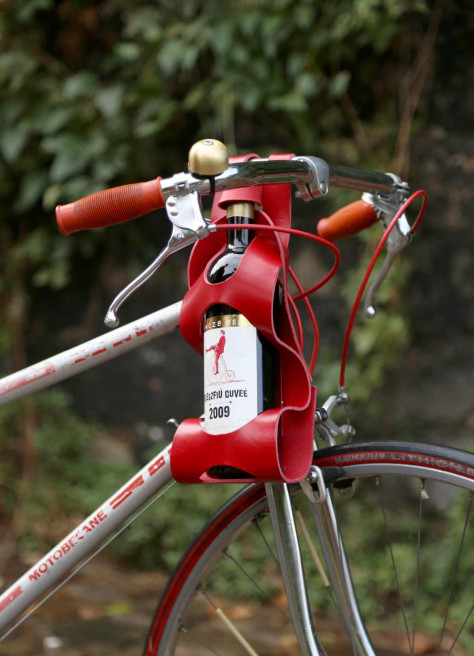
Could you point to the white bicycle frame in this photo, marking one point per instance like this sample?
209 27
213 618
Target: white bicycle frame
102 523
90 535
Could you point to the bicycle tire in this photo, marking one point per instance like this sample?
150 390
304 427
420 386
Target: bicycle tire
443 470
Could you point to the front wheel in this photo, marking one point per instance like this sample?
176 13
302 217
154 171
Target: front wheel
404 513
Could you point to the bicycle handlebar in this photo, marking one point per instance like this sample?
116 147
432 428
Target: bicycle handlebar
210 172
311 175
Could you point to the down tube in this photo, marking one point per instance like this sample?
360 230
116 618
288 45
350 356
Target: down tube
90 533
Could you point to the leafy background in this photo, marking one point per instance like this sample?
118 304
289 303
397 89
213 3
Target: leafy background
95 95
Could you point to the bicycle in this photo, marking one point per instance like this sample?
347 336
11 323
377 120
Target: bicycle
431 486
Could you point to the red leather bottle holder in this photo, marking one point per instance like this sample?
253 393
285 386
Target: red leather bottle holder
277 445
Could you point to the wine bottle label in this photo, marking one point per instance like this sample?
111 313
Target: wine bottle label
230 373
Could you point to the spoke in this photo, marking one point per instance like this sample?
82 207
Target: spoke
230 625
309 542
460 631
394 567
265 540
451 587
255 584
184 630
417 572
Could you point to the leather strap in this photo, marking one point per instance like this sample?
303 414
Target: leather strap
277 445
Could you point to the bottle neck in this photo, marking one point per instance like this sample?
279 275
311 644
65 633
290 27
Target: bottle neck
243 214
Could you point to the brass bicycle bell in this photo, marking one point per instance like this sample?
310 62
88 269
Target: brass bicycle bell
208 158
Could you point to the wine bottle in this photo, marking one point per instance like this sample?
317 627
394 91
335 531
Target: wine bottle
240 365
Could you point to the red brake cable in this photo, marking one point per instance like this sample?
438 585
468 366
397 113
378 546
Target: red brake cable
374 259
303 294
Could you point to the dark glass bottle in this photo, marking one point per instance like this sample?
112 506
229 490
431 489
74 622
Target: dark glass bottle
228 376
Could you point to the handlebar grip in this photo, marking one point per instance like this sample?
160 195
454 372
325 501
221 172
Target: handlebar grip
110 207
349 220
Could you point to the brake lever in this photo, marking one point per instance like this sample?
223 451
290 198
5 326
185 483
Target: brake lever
399 237
188 225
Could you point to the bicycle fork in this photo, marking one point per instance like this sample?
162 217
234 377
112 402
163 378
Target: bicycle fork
289 555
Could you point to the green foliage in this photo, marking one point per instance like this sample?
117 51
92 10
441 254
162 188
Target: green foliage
94 96
87 91
67 482
64 477
378 345
161 535
440 539
101 94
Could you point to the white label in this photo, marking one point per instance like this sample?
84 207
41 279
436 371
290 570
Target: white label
230 373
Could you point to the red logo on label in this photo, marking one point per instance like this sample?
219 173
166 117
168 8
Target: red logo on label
216 366
218 351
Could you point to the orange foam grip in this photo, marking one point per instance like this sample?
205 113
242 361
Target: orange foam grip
349 220
109 207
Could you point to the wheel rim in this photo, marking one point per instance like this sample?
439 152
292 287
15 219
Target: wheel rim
414 630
